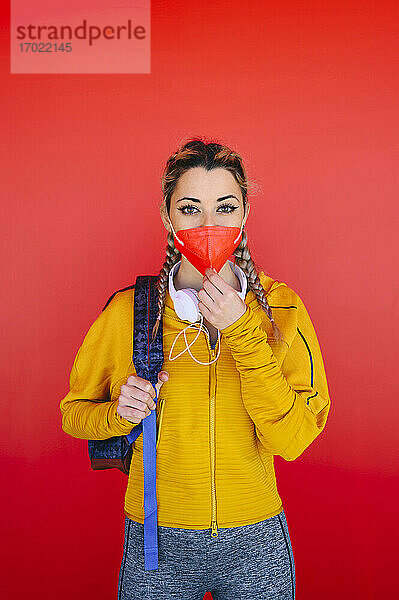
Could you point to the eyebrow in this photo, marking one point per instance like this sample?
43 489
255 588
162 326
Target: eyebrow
218 200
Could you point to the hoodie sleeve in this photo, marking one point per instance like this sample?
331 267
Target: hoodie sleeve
288 404
87 410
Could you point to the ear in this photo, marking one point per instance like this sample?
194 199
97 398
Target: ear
164 216
247 209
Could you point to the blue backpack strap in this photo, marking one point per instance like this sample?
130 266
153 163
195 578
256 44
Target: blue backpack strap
148 361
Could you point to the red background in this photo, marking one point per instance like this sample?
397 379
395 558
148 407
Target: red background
307 92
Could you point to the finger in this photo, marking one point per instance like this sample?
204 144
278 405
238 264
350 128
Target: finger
212 290
131 404
205 311
206 300
134 415
217 281
131 392
141 384
163 377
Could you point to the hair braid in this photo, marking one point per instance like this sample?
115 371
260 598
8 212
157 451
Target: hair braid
172 257
245 262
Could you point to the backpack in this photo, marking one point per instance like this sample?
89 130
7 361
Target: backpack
116 452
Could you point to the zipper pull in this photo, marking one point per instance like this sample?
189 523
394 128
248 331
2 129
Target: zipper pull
214 529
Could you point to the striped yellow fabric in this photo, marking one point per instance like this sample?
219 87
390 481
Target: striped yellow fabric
221 424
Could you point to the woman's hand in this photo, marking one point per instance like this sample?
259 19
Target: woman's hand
137 395
219 302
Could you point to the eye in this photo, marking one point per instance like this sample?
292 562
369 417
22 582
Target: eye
183 208
227 205
231 208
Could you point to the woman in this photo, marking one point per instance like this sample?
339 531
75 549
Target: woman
243 380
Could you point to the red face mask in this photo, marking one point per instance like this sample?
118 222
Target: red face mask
209 246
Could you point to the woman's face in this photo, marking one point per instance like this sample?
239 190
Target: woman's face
204 197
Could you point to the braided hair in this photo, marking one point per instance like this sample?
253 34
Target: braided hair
194 153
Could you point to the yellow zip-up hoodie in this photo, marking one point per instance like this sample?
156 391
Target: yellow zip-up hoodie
220 425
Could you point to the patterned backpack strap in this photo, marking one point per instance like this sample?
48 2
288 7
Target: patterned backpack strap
147 356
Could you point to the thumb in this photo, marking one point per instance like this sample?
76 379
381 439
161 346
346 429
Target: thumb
163 376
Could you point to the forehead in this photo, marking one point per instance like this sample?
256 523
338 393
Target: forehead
199 182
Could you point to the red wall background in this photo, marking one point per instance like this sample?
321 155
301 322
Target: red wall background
307 92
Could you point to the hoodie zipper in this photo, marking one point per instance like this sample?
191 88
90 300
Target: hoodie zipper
214 525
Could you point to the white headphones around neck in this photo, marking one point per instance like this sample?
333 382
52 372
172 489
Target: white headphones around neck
185 301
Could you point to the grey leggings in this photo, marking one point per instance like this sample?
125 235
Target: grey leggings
249 562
